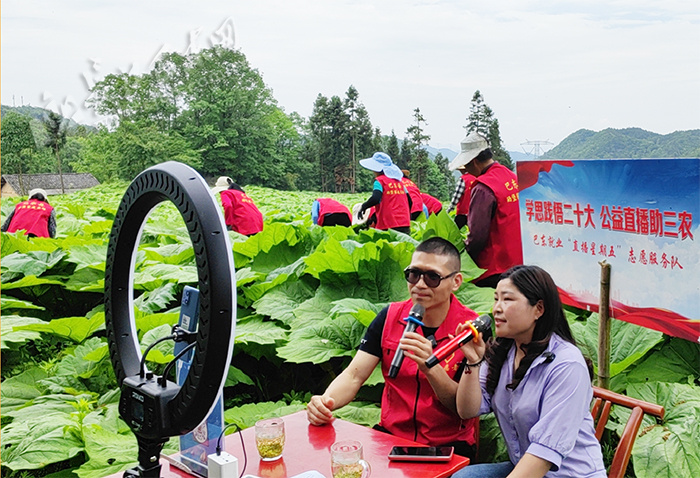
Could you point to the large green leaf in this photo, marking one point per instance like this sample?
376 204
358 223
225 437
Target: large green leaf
177 254
35 442
107 452
32 263
362 413
76 364
628 342
280 302
671 449
677 360
246 415
442 225
323 341
76 329
157 299
254 329
11 303
91 255
11 338
479 299
152 276
18 390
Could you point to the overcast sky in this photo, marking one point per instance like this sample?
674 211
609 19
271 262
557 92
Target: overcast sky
545 67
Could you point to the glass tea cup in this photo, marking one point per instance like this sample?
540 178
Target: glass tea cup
346 460
269 438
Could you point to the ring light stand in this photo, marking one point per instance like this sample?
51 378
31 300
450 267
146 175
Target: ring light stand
156 408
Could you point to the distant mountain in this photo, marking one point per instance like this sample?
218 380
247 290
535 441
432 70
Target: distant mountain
632 143
36 113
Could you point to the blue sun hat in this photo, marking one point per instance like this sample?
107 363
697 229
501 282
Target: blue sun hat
381 162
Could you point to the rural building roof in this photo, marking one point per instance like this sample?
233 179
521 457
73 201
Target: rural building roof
51 183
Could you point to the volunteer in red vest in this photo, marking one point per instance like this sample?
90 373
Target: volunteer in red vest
35 216
494 218
419 404
432 204
414 192
389 196
329 212
240 212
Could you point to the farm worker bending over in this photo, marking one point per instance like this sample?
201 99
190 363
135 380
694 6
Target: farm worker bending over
240 212
494 219
432 204
419 403
535 380
35 216
414 192
389 196
329 212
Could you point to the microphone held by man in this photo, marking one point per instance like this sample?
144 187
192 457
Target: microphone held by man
478 326
412 322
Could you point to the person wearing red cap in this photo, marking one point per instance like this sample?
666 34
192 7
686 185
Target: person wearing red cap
35 216
389 196
494 241
240 212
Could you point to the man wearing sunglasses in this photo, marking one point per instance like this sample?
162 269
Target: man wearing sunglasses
419 403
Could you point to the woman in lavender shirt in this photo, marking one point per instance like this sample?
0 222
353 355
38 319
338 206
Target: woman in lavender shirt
537 383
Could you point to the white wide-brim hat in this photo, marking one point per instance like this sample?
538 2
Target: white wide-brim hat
222 183
381 162
471 146
38 191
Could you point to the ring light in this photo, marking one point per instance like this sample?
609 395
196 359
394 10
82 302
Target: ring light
157 409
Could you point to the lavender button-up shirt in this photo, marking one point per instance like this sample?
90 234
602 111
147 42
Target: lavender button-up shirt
548 414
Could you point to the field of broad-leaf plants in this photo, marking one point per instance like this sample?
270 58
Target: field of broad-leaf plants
305 296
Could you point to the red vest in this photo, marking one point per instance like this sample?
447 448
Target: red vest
32 216
330 206
410 408
240 212
504 247
463 204
414 192
392 210
433 204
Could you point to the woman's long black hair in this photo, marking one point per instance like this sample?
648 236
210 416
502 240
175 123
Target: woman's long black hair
536 285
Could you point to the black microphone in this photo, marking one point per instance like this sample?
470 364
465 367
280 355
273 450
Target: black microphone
481 324
412 322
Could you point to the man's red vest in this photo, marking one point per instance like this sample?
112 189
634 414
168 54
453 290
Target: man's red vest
504 248
331 206
433 204
32 216
463 204
240 212
414 192
392 210
410 408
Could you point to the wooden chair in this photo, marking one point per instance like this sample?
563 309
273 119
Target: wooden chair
603 400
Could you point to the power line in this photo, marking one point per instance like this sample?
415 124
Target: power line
536 147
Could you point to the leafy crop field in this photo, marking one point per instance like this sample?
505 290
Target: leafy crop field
305 296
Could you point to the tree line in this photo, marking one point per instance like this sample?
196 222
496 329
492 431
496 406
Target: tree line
213 111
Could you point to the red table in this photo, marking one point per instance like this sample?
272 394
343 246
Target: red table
307 447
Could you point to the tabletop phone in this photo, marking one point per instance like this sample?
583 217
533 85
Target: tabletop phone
421 453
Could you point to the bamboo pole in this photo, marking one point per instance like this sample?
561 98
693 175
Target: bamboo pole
604 327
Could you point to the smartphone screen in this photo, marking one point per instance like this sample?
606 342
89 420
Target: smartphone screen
421 453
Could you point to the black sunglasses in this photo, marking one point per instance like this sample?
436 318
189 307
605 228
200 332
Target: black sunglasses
431 278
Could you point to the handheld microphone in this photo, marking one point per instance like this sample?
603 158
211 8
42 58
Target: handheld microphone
412 322
480 325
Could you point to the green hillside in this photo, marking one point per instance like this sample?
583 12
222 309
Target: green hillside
626 143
